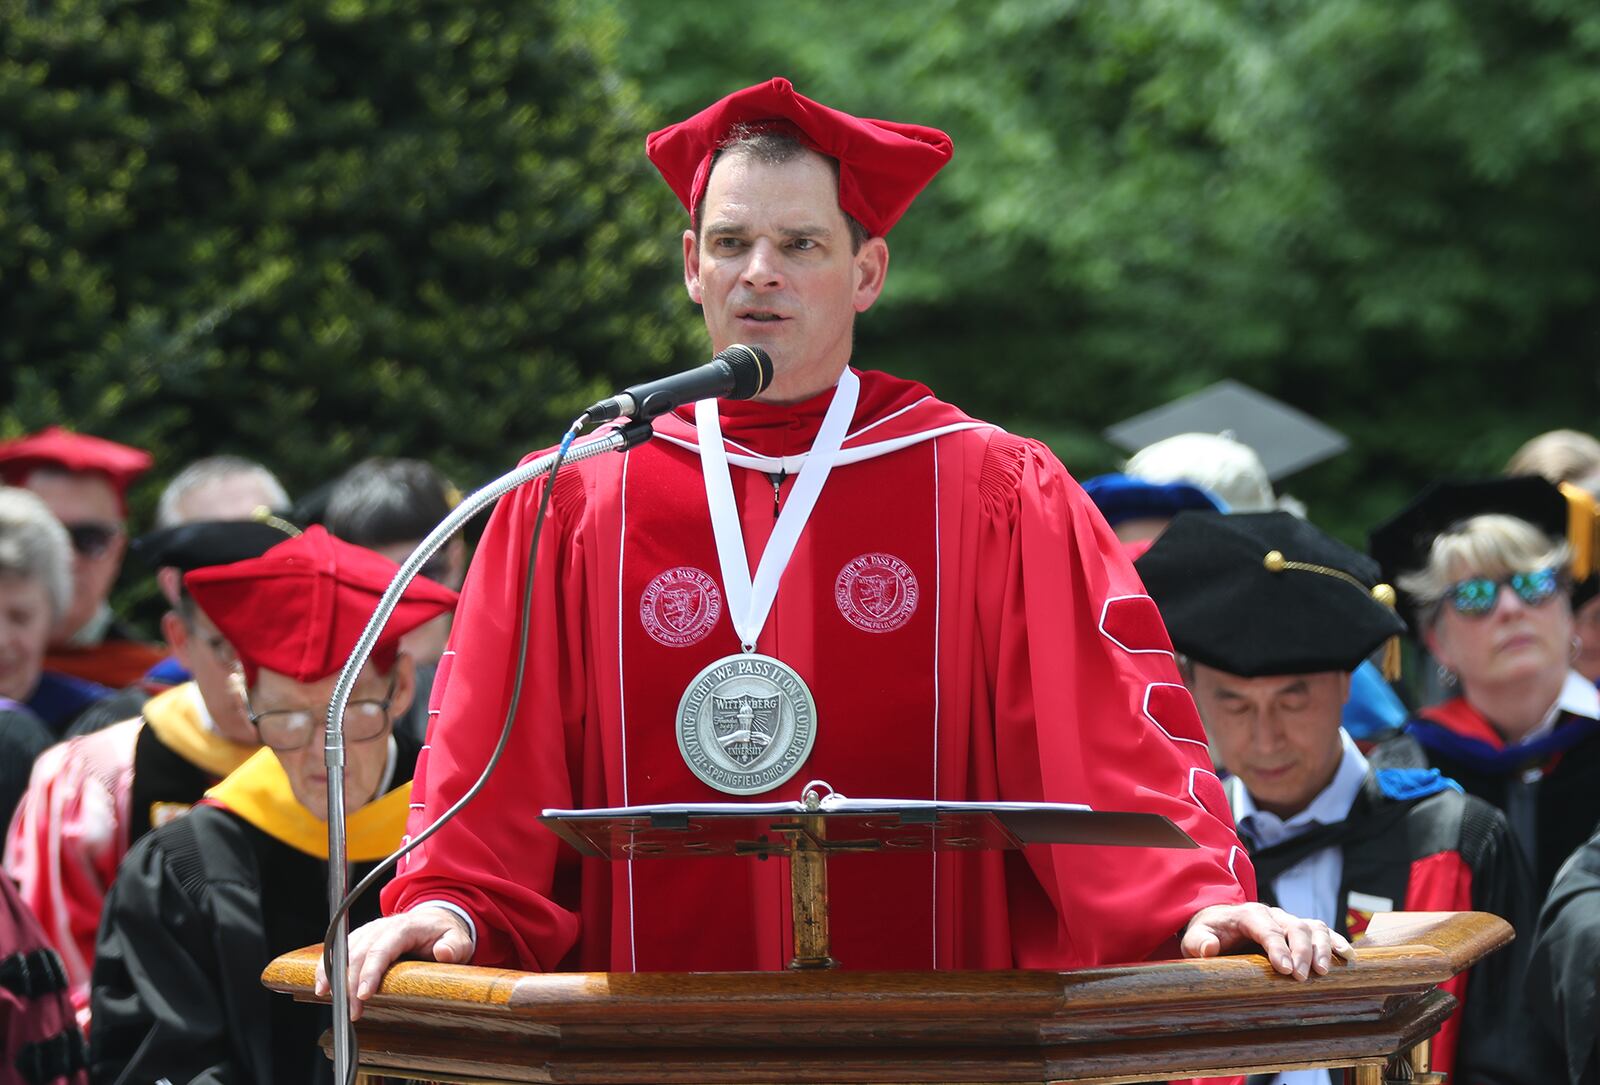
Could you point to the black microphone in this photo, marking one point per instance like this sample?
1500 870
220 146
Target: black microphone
740 372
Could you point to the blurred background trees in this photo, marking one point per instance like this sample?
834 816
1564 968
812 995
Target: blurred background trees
316 231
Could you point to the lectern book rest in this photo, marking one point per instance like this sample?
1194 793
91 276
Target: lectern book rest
830 822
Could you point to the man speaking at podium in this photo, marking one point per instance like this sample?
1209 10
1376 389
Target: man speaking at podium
938 608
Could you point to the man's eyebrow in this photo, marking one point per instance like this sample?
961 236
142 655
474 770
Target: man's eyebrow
821 233
726 227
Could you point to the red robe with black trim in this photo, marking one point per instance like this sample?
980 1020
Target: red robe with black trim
970 630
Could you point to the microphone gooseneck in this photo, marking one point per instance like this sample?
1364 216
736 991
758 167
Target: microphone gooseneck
739 372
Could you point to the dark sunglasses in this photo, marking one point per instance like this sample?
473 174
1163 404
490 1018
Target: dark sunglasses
92 540
1476 596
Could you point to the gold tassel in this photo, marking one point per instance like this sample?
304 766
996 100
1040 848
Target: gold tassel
1391 660
1390 666
263 515
1583 524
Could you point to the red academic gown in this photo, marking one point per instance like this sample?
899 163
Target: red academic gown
1004 650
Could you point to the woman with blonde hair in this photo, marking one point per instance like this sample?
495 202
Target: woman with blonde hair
1486 579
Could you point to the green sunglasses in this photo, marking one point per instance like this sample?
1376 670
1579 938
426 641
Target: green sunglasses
1476 596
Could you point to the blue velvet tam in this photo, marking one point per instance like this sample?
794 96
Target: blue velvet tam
1121 498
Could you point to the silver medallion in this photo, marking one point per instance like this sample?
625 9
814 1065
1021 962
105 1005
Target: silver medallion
746 724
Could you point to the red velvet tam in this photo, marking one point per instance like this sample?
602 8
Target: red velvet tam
882 164
68 451
299 608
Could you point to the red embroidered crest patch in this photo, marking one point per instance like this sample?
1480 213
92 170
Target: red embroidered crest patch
680 606
876 593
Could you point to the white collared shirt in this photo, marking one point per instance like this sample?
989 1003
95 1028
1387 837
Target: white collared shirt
1578 697
201 711
1310 888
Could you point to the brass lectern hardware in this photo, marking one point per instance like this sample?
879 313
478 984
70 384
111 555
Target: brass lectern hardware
760 848
808 896
1414 1067
1406 1067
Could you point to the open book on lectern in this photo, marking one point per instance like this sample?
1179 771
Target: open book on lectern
835 823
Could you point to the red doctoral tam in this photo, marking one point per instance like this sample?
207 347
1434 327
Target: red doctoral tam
68 451
299 608
882 164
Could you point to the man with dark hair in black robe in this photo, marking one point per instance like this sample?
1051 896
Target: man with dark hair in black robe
1273 615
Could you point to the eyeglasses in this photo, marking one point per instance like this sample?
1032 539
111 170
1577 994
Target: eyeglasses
291 728
92 540
1476 596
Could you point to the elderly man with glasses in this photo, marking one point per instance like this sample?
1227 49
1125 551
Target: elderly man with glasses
84 480
201 905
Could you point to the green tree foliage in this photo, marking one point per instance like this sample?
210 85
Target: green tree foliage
316 230
1382 213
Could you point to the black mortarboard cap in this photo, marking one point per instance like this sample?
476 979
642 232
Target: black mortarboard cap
1403 542
1266 593
202 544
312 508
1286 439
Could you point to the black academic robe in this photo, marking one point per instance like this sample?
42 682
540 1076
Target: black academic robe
1564 974
1412 840
199 908
23 737
1565 809
124 704
162 777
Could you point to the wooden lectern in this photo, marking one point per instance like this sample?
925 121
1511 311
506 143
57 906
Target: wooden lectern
1173 1019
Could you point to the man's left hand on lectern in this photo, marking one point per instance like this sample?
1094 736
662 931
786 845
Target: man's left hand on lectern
1296 947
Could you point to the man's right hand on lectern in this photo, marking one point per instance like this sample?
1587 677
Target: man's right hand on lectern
425 932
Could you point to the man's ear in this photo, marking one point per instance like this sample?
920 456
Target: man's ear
691 266
405 685
872 270
176 634
169 580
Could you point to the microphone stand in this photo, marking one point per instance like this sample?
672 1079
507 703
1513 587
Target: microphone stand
617 440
